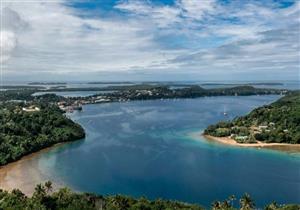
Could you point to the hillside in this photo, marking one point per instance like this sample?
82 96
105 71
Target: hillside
278 122
27 128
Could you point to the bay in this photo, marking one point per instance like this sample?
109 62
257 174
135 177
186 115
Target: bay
149 148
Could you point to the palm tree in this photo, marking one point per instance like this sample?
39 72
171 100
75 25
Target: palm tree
272 206
120 202
39 191
216 205
246 202
226 204
231 199
48 186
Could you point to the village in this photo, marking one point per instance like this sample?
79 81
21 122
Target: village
76 103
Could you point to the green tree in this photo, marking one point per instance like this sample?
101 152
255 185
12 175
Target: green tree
246 202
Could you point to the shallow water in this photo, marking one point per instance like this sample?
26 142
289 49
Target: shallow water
145 148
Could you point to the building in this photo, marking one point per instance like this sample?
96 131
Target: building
31 109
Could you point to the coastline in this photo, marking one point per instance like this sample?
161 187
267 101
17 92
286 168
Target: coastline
259 145
24 175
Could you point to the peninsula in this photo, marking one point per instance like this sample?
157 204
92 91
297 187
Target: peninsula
274 125
27 127
152 92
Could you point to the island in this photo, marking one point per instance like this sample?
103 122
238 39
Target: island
152 92
112 82
250 83
276 124
20 87
47 83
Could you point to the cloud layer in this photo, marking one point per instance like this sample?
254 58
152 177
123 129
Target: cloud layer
185 39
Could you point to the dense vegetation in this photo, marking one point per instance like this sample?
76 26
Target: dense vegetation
44 199
151 92
23 132
277 122
188 91
19 94
143 92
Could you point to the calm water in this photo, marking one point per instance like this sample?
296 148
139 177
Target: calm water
144 148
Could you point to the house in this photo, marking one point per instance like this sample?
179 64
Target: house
61 103
241 138
101 100
31 109
262 127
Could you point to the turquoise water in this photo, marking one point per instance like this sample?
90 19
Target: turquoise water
145 148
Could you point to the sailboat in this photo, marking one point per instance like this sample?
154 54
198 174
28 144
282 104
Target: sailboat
224 112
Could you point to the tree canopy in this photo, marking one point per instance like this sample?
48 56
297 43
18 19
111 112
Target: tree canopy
24 132
64 199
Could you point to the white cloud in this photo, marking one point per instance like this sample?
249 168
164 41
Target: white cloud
11 25
7 45
182 13
59 41
162 16
45 37
196 9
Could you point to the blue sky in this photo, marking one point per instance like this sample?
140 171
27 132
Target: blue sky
150 39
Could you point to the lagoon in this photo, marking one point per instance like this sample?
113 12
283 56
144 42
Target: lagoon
149 148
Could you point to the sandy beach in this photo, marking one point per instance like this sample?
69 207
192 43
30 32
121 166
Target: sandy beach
277 146
24 174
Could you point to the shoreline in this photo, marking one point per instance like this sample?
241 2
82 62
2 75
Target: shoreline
285 147
23 173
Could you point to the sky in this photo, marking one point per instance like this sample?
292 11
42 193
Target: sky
165 40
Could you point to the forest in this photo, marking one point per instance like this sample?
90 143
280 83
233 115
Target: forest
29 127
44 198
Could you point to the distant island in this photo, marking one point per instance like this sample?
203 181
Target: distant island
104 83
45 197
132 93
275 124
47 83
20 87
250 83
